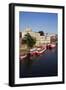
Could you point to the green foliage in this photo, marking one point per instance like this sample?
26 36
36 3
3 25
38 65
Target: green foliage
29 40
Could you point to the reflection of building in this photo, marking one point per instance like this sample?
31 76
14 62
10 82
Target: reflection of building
40 40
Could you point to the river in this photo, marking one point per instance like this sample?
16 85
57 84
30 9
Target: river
44 65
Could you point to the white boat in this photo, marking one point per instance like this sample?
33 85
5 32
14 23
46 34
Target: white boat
41 51
22 57
53 45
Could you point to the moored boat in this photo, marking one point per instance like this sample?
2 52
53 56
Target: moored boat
50 46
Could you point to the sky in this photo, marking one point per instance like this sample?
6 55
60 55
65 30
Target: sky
46 22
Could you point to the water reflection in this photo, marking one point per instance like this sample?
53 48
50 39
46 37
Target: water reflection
26 66
28 61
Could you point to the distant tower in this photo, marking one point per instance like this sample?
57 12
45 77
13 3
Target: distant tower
28 29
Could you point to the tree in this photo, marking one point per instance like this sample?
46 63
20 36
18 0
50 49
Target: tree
41 33
29 40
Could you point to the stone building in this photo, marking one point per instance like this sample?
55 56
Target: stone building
40 40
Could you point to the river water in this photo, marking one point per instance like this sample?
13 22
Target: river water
44 65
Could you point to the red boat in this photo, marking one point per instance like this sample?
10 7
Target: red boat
38 51
50 46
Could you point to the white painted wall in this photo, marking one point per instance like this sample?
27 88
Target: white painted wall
4 24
